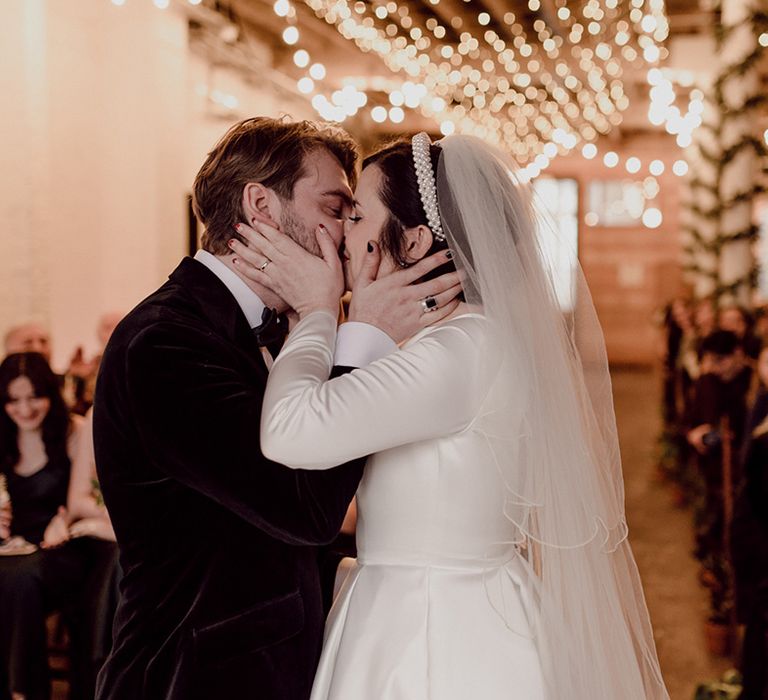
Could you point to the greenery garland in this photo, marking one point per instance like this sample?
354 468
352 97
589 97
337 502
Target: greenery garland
720 160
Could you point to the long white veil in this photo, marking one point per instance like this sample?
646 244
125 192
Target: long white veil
563 481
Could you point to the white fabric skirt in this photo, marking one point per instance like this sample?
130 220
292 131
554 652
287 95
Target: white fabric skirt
430 632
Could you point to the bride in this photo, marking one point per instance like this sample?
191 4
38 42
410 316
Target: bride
493 555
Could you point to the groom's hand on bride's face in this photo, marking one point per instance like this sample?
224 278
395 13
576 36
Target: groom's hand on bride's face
395 304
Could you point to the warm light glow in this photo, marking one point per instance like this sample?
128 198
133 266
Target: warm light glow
765 136
652 218
447 128
651 53
633 165
305 86
301 58
379 114
290 35
648 24
317 71
162 4
591 219
589 151
194 2
611 159
763 39
656 167
484 18
680 168
396 115
282 8
119 3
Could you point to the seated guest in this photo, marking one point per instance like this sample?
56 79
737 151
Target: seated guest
758 408
721 392
749 545
28 337
91 558
37 442
81 374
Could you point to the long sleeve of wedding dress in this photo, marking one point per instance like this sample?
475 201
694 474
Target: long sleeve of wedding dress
431 387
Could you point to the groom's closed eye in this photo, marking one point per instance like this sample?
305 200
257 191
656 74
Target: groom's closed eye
338 203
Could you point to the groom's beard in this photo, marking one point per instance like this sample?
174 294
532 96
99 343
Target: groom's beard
296 229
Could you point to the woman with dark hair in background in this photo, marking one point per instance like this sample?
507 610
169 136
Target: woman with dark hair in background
37 442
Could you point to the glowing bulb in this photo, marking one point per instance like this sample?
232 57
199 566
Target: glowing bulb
379 114
396 98
194 2
396 114
447 127
484 18
656 167
589 151
282 8
317 71
591 219
763 39
301 58
651 53
633 165
162 4
765 136
290 35
652 218
438 104
611 159
550 150
680 168
648 24
305 85
119 3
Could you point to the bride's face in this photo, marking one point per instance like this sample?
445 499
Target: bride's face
365 224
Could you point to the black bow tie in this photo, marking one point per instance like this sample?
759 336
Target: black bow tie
273 328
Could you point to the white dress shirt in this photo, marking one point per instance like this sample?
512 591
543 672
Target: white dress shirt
357 345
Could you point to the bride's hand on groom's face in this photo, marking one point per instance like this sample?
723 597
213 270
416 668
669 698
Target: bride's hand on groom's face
395 304
304 281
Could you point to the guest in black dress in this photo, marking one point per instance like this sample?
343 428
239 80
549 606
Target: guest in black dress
37 438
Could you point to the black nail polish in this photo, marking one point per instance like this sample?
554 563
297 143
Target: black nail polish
370 247
449 254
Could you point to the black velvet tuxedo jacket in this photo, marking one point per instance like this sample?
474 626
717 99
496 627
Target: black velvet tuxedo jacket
220 596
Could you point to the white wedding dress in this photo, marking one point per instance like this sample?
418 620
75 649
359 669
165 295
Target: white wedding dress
438 604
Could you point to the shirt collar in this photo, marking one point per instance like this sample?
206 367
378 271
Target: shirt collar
250 303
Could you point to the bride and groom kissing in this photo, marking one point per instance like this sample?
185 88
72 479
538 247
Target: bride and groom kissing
225 464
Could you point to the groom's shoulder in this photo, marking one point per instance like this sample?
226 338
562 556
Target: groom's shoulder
168 311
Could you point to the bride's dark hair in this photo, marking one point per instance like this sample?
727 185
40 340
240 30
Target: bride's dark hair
399 191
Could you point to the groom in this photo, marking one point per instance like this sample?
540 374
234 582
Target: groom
220 596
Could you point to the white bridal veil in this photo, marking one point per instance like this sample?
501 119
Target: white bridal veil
562 471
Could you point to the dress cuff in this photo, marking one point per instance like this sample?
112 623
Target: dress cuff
358 344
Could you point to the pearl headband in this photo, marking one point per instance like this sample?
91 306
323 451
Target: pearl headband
422 163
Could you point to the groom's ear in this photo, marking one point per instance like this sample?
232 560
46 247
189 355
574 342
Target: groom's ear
260 202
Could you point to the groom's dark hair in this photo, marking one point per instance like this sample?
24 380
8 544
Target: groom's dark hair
264 150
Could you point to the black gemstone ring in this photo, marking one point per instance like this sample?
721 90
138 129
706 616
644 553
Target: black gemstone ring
429 304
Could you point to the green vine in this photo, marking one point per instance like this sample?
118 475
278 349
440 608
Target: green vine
713 246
